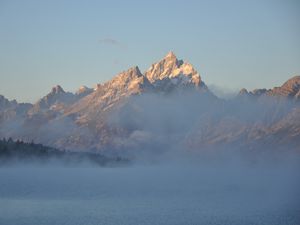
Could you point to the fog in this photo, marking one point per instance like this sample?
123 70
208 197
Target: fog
187 192
216 188
223 92
183 123
192 159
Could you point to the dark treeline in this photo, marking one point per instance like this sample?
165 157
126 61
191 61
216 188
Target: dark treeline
30 153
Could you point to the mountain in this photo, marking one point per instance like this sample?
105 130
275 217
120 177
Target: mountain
259 119
113 112
165 108
10 110
126 83
57 99
171 73
162 77
290 89
7 108
5 103
83 91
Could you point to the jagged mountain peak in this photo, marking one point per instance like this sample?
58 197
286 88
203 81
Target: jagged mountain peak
4 102
175 71
110 93
292 84
84 90
295 79
126 76
55 100
134 72
57 90
289 89
163 68
129 80
3 99
255 93
243 91
170 55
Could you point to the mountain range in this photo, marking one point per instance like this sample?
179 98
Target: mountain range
166 107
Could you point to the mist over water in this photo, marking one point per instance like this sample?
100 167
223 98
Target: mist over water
219 191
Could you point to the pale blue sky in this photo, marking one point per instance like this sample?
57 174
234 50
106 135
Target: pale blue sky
232 44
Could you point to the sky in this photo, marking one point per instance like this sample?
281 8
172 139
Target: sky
232 44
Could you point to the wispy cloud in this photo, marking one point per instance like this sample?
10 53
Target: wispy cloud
112 42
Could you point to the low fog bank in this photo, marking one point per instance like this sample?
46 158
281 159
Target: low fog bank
172 193
185 127
20 154
183 119
197 122
170 187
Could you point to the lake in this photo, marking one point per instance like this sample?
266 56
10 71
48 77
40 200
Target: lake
157 194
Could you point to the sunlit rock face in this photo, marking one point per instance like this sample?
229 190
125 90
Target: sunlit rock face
164 68
171 73
290 88
126 83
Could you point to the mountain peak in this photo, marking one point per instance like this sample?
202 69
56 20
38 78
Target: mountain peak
125 78
131 73
178 72
170 55
243 91
135 70
290 88
163 68
57 90
4 102
83 90
293 82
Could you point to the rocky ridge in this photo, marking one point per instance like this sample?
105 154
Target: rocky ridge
167 106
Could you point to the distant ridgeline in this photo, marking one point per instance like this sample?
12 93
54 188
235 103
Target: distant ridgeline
167 107
30 153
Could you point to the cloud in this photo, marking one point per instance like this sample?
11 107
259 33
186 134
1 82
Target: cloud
111 42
